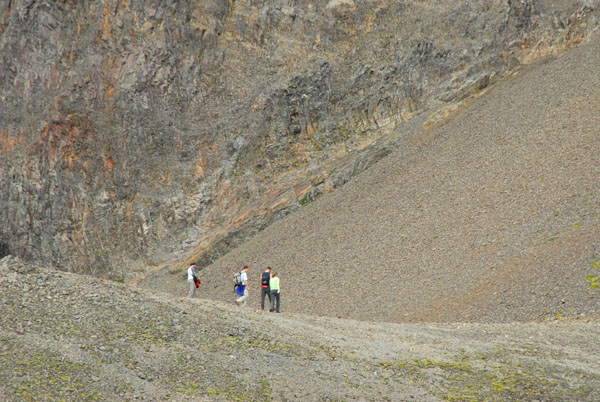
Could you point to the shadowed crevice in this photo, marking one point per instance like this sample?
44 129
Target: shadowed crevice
4 250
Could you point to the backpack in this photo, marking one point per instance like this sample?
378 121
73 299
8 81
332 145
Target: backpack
264 280
237 278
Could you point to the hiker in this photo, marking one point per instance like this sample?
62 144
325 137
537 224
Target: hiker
243 288
264 285
275 295
193 280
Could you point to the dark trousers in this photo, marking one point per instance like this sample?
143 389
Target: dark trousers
275 297
265 291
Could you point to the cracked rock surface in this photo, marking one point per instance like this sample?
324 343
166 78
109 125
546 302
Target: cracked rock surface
152 133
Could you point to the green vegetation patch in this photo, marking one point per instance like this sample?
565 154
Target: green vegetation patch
117 278
304 200
556 225
594 279
198 376
44 375
476 379
218 368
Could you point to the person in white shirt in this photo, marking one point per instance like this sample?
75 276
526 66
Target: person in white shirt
243 289
192 279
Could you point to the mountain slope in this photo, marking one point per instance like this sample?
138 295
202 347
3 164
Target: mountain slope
493 217
134 132
71 337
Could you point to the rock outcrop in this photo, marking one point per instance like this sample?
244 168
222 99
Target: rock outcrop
132 132
493 216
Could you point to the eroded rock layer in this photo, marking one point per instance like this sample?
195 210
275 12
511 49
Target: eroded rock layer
136 131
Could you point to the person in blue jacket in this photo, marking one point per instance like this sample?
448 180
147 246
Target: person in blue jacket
243 289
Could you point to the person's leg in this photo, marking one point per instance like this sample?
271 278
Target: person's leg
262 298
192 291
242 300
278 297
272 297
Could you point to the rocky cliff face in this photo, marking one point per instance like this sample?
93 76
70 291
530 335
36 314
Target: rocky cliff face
133 132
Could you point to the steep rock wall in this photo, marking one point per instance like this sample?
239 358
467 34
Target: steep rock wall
134 132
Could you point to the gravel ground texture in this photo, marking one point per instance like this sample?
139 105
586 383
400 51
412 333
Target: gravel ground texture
77 338
491 217
464 266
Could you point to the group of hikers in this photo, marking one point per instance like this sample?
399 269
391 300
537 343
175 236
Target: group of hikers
269 285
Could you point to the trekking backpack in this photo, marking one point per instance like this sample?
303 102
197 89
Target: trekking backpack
237 278
264 281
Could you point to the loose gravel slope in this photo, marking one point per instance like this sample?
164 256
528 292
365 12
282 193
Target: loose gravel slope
493 217
76 338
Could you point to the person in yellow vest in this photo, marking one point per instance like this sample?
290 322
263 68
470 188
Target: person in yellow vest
275 292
